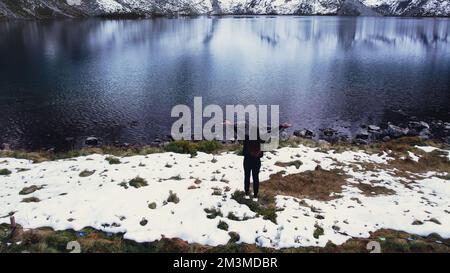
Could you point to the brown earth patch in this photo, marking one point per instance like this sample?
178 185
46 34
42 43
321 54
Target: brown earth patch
433 161
317 184
436 161
31 200
369 190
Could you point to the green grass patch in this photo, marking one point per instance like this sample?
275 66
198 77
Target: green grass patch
222 225
232 216
173 198
189 147
181 147
112 160
265 207
318 231
138 182
213 213
209 146
5 172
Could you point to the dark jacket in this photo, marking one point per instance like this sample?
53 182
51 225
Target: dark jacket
252 148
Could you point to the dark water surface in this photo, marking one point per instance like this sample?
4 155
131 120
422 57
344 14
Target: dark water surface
118 79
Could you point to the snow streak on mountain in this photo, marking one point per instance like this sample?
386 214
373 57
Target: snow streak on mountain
148 8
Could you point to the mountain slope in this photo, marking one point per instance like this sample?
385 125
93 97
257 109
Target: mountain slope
83 8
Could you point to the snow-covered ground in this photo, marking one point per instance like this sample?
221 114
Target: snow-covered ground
100 200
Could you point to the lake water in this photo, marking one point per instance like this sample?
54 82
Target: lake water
119 79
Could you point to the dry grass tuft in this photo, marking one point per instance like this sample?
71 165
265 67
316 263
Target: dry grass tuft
318 184
296 164
369 190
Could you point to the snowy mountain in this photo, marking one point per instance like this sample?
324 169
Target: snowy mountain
146 8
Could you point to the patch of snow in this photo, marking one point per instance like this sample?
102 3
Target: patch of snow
110 6
68 201
427 149
73 2
413 157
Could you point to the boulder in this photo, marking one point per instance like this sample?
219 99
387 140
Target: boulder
234 237
156 142
447 126
413 132
437 124
304 133
360 141
395 131
373 128
92 141
418 125
30 189
362 134
425 134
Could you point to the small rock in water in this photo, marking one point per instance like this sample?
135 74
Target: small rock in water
329 132
156 142
386 138
92 141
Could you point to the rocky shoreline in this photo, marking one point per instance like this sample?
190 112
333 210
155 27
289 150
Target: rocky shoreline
436 130
370 133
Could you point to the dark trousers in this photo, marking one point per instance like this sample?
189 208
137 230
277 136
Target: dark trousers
251 166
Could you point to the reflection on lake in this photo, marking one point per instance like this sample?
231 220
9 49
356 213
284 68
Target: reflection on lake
118 79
